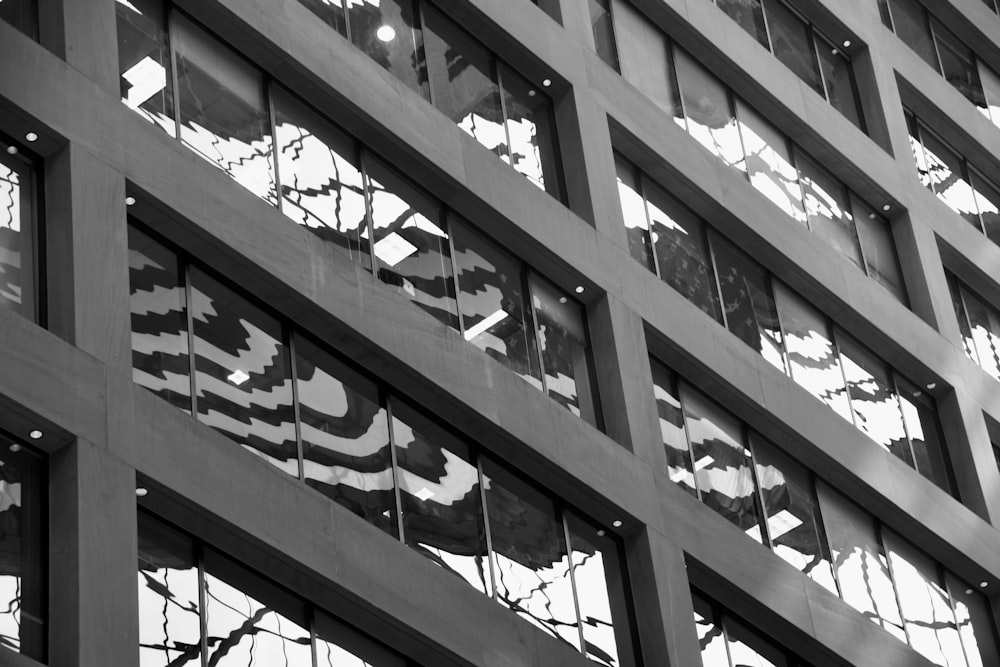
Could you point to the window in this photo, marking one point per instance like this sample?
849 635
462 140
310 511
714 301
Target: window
708 111
18 231
144 61
604 31
22 14
726 641
979 323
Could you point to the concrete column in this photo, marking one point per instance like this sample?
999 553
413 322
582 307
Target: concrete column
923 274
83 33
93 618
576 20
971 454
87 256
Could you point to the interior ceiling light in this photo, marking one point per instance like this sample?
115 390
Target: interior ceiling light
984 584
129 201
35 434
601 533
931 385
140 492
386 33
847 43
532 93
393 249
617 523
12 150
31 136
886 207
238 377
579 289
15 448
563 299
547 82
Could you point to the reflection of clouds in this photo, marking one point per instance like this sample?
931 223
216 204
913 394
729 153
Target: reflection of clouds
10 199
880 419
248 164
524 152
169 623
950 187
544 596
772 175
595 606
633 210
723 141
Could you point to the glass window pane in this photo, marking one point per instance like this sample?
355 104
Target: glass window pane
410 243
532 132
873 398
968 342
17 204
987 196
345 436
910 21
861 566
331 11
985 332
791 43
634 213
975 623
682 250
22 577
389 32
601 583
709 116
463 83
828 208
668 407
838 74
750 15
926 605
991 90
22 14
920 417
223 109
959 65
250 622
495 313
439 490
746 647
710 636
169 600
562 337
746 293
812 355
879 247
604 31
242 372
947 178
919 156
529 554
769 162
340 646
160 357
721 462
321 185
144 61
792 513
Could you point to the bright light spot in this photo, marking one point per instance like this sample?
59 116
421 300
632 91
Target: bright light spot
35 435
238 377
129 201
579 289
617 523
547 82
15 448
141 492
485 324
386 33
393 249
424 493
886 207
702 462
931 385
984 584
146 78
31 136
12 150
847 43
782 522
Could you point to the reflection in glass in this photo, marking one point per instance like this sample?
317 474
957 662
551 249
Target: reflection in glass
983 325
169 607
440 495
242 372
828 209
975 623
876 239
910 23
144 61
22 582
769 162
791 44
531 130
750 15
838 75
16 252
710 637
957 302
321 185
604 31
331 11
958 64
345 436
991 91
340 646
947 179
746 647
707 110
987 195
223 109
634 213
160 358
924 431
411 243
388 32
675 444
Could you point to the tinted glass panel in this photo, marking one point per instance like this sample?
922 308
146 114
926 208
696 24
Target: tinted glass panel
411 243
791 44
957 300
531 129
748 648
321 186
920 417
828 209
750 15
987 196
439 490
388 31
910 21
529 554
709 117
958 64
223 109
838 75
16 224
604 31
710 636
634 213
682 250
812 355
746 295
947 178
22 14
22 577
991 90
340 646
721 462
169 600
975 623
668 407
985 332
144 61
331 11
861 566
495 313
769 162
879 248
345 436
160 357
243 374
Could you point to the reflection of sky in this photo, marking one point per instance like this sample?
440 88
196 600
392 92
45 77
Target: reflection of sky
823 379
544 597
930 621
958 194
880 420
772 175
10 199
524 150
633 210
168 616
723 141
595 607
248 164
487 132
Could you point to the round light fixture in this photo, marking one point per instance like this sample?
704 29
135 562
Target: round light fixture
617 523
984 584
130 200
547 82
140 492
386 33
847 43
931 385
968 591
35 435
562 299
886 207
601 533
12 150
579 289
532 93
15 448
31 136
834 50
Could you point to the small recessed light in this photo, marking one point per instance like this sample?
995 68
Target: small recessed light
872 216
969 591
931 385
601 533
31 136
834 51
984 584
15 448
886 207
141 492
547 82
129 201
532 93
35 435
847 43
563 299
12 150
918 394
617 523
386 33
579 289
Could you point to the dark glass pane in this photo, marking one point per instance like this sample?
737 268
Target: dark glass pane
985 332
876 239
463 83
861 566
791 43
947 178
242 373
926 605
345 436
321 184
792 513
769 162
532 132
601 582
440 494
883 11
331 11
873 398
496 315
668 407
224 116
828 209
604 31
991 91
160 357
389 32
721 461
707 111
144 61
975 623
529 554
910 22
250 622
410 243
968 342
710 637
959 64
634 213
919 155
812 355
562 337
987 196
920 417
169 600
17 204
746 647
340 646
682 250
22 578
838 75
746 296
22 14
750 15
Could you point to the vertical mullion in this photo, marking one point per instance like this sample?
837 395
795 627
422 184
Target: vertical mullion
902 417
942 577
640 179
672 55
843 373
929 23
296 411
767 27
675 381
967 170
715 275
486 523
449 229
781 329
534 326
965 315
175 79
369 210
824 535
758 489
892 578
495 64
192 358
202 601
721 620
793 153
395 468
815 39
422 22
572 579
269 92
861 245
731 98
347 22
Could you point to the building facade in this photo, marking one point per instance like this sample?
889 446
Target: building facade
499 332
